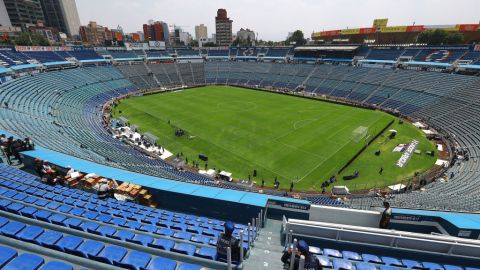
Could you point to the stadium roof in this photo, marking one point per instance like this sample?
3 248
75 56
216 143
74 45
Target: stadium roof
327 48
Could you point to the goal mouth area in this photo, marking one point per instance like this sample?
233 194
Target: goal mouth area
359 134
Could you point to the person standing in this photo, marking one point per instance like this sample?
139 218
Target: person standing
386 216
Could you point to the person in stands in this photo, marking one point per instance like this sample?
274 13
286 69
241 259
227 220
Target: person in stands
227 240
50 178
103 191
112 186
386 215
303 249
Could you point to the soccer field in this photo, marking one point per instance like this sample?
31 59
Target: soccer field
293 139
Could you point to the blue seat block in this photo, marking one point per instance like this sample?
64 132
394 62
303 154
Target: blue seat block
26 261
160 263
73 223
371 258
392 262
189 266
350 255
201 239
314 250
88 248
183 235
28 211
30 233
365 266
69 242
54 265
332 253
123 235
387 267
14 208
432 266
141 239
206 253
164 244
183 248
3 221
12 228
165 231
136 260
110 255
451 267
42 215
48 238
411 264
57 219
105 230
6 255
342 264
89 226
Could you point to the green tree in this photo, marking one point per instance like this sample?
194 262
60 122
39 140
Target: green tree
193 43
297 38
440 37
31 39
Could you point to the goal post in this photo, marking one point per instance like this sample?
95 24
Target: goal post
359 134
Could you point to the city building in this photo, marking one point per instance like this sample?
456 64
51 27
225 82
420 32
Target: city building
4 18
223 28
50 33
246 34
24 13
63 15
201 32
156 31
94 34
180 37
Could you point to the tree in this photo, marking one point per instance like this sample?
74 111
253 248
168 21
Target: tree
440 37
297 38
31 39
193 43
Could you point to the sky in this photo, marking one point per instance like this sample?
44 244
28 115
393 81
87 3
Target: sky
273 19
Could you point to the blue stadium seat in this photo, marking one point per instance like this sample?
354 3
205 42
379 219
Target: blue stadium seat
26 261
12 228
88 248
332 253
160 263
365 266
188 266
207 253
6 254
30 233
161 243
183 248
324 261
135 260
339 264
110 255
54 265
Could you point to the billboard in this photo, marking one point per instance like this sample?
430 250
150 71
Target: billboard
329 33
42 48
468 27
136 46
159 45
415 28
393 29
370 30
350 31
379 23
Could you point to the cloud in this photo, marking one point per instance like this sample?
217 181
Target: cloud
273 19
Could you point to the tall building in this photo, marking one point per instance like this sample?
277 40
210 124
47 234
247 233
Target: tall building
201 32
63 15
4 18
156 31
246 34
24 13
94 34
223 28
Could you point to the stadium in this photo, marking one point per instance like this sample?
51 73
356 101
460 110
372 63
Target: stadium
287 145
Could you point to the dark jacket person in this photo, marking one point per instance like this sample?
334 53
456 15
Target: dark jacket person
226 240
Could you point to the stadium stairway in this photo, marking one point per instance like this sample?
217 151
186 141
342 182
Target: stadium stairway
268 248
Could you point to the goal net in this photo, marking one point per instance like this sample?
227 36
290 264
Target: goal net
359 134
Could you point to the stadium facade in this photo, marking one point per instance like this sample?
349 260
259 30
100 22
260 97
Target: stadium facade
380 33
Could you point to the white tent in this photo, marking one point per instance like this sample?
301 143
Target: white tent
397 187
340 190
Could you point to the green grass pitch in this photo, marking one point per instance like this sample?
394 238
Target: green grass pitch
293 139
